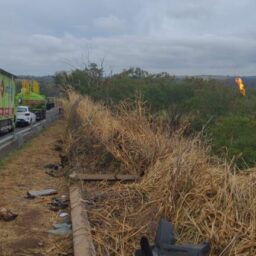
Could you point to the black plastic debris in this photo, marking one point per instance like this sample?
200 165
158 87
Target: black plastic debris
55 170
58 204
165 244
53 166
46 192
145 247
7 214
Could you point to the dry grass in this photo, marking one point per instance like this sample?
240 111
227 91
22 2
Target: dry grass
178 181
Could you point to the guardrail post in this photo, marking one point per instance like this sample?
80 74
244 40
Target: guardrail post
39 128
18 137
44 124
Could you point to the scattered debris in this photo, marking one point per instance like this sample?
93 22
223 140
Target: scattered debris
61 225
45 192
64 198
165 244
58 148
53 166
58 204
65 218
63 159
51 173
63 214
56 173
40 244
103 177
7 214
60 229
58 145
54 170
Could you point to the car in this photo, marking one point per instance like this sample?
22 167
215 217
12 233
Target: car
24 116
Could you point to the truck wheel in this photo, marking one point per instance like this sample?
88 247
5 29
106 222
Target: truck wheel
13 127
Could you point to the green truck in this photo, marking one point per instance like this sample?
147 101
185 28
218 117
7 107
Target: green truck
7 101
30 96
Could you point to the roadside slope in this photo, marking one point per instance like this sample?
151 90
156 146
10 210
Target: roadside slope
24 170
203 196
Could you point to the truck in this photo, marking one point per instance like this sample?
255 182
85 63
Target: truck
30 96
7 101
50 103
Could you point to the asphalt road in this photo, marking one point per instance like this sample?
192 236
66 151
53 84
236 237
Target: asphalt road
49 113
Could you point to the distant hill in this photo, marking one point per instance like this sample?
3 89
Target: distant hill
249 81
49 88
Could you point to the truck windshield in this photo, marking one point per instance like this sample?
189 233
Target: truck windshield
21 109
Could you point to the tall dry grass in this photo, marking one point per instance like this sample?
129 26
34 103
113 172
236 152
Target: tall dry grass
179 181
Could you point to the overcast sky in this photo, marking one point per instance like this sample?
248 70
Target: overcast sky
178 36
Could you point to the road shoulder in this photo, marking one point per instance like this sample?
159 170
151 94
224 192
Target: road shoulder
24 171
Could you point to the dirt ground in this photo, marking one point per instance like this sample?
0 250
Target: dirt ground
23 171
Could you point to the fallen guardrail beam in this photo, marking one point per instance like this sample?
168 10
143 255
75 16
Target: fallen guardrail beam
103 177
82 239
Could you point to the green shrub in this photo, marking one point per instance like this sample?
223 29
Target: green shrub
235 136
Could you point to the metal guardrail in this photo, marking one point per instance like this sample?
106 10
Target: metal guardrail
17 139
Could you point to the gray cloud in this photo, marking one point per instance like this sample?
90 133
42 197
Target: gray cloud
110 23
179 36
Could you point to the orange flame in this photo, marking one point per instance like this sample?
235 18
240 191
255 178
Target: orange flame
241 86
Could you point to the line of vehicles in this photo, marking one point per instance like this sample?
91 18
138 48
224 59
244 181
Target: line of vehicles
22 108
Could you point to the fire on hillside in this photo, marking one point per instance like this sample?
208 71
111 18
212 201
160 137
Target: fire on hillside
241 86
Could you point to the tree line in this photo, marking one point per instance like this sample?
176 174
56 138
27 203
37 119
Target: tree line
215 105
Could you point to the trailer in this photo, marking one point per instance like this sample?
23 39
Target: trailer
30 96
50 103
7 101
